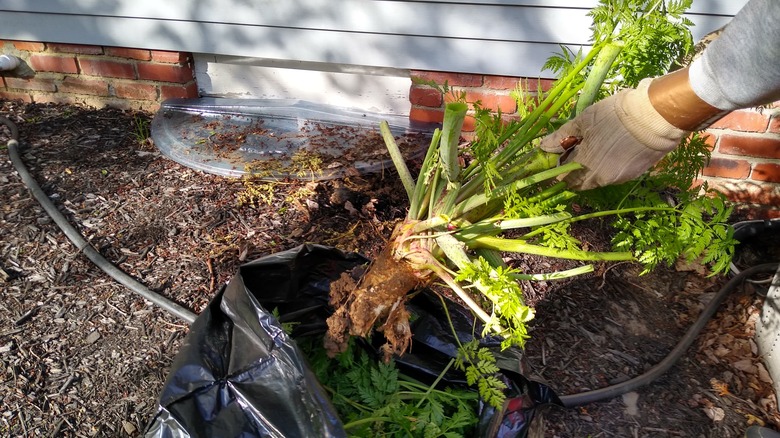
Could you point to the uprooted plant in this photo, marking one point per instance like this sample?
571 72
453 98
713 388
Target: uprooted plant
459 217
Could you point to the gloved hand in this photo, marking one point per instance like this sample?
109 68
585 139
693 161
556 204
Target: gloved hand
620 138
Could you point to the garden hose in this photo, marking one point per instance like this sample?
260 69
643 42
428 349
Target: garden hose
663 366
79 241
186 315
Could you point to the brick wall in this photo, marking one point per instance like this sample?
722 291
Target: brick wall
96 76
745 163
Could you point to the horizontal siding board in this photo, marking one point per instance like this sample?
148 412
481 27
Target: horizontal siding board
188 9
396 51
568 25
716 7
532 24
421 35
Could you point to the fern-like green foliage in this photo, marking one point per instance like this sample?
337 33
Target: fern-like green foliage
489 129
688 221
480 367
505 298
695 230
684 220
654 34
374 399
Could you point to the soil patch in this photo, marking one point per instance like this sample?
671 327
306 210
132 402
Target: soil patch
82 356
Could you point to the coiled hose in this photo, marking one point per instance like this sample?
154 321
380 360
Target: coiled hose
180 312
686 341
79 241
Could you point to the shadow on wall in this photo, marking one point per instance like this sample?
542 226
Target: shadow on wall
750 194
480 38
433 35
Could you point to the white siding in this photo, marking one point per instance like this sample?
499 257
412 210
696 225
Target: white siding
348 52
503 37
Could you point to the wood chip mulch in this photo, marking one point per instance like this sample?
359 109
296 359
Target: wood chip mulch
82 356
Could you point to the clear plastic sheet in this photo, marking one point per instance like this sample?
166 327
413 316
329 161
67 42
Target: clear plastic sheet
239 374
271 137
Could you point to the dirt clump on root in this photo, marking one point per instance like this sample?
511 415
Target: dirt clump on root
376 299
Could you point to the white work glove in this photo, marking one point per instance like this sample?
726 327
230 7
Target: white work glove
620 137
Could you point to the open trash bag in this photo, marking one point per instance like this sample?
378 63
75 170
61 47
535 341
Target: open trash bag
239 374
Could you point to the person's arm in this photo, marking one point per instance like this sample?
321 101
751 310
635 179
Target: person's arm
624 135
741 68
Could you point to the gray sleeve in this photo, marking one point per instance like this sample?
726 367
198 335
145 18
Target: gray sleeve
741 68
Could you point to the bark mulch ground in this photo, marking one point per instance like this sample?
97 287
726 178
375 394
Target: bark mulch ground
80 355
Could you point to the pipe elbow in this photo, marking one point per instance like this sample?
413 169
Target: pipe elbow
9 62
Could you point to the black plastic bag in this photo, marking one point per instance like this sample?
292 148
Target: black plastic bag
239 374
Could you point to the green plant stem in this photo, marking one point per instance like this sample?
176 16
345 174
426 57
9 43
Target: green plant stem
601 67
428 224
447 203
476 183
603 213
418 201
463 295
482 199
398 160
365 420
493 226
521 246
349 401
454 115
510 224
555 275
436 382
449 320
561 93
436 189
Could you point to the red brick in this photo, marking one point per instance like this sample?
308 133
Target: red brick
542 84
170 57
493 101
752 213
12 95
123 52
76 48
59 64
107 68
748 192
165 73
179 91
710 139
743 120
79 85
36 84
766 172
29 46
426 115
725 168
452 79
69 99
469 124
751 146
529 85
774 125
425 96
135 90
507 118
501 82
